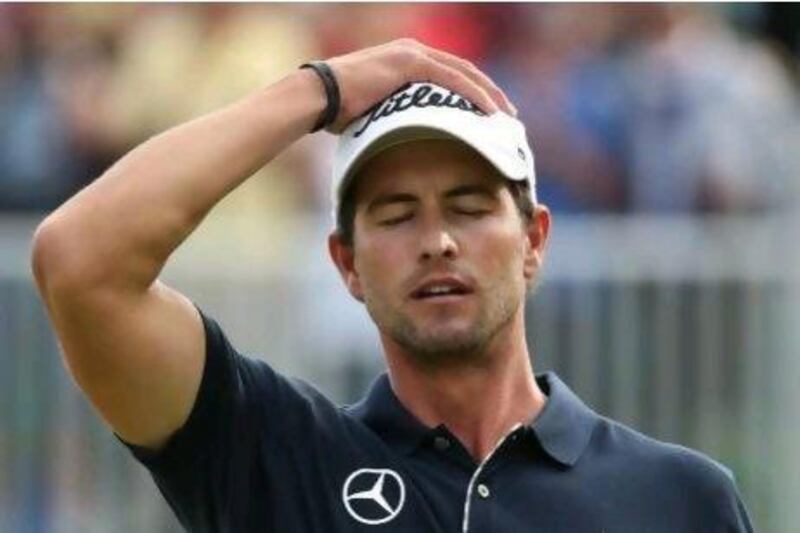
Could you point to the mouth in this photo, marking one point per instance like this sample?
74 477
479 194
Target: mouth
441 290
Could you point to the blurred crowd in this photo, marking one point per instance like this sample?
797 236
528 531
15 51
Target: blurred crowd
630 108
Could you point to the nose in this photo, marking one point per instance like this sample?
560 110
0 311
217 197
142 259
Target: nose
436 242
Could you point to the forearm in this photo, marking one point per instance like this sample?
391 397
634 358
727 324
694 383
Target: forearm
120 230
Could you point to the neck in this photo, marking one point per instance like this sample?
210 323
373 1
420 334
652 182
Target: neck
479 404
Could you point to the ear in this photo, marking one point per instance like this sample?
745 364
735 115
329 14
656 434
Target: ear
343 257
537 230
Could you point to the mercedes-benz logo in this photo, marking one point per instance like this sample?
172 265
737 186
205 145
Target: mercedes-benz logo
373 495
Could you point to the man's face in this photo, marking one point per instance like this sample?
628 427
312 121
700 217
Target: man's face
441 256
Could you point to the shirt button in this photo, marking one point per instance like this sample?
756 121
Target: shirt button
441 443
483 491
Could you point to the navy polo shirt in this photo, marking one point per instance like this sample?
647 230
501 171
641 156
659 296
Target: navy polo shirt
265 453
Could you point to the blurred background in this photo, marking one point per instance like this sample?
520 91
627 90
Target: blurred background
667 143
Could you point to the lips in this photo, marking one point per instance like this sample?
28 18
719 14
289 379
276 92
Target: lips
441 287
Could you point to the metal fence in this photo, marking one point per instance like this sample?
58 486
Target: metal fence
683 328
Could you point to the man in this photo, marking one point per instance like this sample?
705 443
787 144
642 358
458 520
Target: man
440 235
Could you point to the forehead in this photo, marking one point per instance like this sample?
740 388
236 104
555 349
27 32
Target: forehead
431 165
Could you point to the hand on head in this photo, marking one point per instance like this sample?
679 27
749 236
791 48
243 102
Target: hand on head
367 76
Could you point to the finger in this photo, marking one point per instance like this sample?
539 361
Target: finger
427 68
475 74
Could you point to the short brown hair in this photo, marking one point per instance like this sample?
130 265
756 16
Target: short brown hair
345 218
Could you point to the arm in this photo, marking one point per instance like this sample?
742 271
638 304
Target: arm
135 346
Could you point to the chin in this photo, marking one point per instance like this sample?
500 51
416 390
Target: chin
435 339
443 343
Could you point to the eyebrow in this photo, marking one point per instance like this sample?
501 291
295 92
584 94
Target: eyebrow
466 190
394 198
461 190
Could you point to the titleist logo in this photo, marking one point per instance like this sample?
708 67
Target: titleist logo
423 96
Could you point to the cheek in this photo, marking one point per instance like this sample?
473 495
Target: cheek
379 263
502 252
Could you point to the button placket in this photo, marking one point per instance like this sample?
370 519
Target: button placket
481 488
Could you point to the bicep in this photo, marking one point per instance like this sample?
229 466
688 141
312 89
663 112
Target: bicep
139 359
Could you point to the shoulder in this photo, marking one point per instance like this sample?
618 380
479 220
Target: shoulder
247 372
246 384
673 461
700 491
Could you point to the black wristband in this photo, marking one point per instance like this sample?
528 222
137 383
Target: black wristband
331 91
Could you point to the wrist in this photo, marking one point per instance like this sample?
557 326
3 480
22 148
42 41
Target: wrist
312 89
331 86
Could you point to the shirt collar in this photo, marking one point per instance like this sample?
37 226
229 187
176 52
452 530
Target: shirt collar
563 427
385 415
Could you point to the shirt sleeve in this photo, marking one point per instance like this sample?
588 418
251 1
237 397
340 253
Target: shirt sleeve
204 470
739 520
727 511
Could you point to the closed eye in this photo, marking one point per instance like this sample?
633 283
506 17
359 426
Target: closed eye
395 220
472 212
